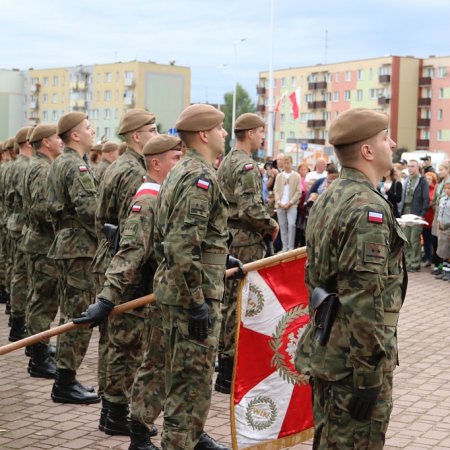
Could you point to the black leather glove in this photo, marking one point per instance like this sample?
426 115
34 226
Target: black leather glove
362 403
96 313
199 322
233 262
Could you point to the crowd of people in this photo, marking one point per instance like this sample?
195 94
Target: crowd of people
86 227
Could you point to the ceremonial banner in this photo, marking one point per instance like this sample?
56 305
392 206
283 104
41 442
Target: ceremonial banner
271 402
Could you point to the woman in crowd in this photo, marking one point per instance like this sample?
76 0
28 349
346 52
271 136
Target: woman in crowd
302 170
391 188
429 252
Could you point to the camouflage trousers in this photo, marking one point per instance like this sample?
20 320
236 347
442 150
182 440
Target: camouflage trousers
148 392
246 254
8 261
19 278
188 377
126 345
44 300
76 294
413 251
3 257
102 341
334 428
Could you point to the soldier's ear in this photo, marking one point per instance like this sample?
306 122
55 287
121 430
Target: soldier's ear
367 152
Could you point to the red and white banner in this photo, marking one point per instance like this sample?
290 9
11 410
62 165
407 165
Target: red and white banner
271 402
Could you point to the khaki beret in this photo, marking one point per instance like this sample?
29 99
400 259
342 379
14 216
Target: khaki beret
9 144
70 120
21 135
160 144
248 121
97 147
134 119
355 125
41 132
199 117
122 147
110 146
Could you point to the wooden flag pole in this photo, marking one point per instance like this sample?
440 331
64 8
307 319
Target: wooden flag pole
141 301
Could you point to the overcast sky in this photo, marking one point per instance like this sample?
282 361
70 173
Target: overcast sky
202 34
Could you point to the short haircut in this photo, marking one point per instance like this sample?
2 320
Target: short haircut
240 134
332 168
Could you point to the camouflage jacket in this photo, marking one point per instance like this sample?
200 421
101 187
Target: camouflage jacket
14 193
130 272
120 182
71 199
355 248
190 235
240 182
4 169
99 170
39 234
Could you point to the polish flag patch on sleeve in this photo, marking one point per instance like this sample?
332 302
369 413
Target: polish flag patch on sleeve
375 217
136 208
204 184
83 168
248 166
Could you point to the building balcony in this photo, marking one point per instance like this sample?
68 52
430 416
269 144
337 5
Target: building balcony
384 79
425 101
35 87
129 82
317 105
423 143
261 108
317 85
423 123
34 105
317 141
260 90
425 81
384 100
316 123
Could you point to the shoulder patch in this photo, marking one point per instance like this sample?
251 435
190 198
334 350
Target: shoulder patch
375 217
83 168
203 184
136 208
248 166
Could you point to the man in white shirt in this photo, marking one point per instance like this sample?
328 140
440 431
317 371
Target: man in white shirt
320 171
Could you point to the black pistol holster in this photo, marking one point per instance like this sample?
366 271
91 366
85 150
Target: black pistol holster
324 306
112 234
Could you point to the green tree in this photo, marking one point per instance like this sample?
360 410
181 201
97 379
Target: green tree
244 104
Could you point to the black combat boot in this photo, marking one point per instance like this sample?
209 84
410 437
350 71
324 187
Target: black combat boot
18 330
140 436
103 414
225 375
3 294
206 442
117 420
66 389
42 364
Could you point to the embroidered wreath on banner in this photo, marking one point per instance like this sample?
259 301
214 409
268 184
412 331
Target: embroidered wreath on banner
279 358
254 307
261 413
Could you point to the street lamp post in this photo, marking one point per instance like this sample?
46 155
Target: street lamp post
233 117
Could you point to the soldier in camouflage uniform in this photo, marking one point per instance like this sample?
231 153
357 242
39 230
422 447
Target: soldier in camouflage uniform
248 223
120 182
10 155
15 226
191 243
130 275
110 152
37 239
71 199
355 249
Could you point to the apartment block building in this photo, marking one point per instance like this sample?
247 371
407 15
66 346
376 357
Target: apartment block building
104 92
11 102
414 92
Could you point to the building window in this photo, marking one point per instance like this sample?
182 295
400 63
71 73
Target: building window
282 135
428 72
107 113
283 82
283 117
293 81
129 78
107 96
336 96
54 98
55 81
370 73
441 92
45 116
326 115
95 114
304 117
44 98
348 76
360 75
440 114
347 95
106 133
54 116
34 80
439 135
385 70
359 95
45 81
108 77
426 134
292 134
442 72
